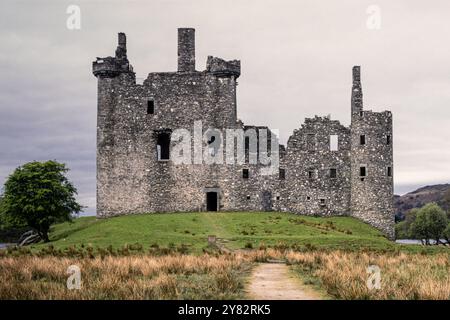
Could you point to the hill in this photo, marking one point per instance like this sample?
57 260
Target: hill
234 230
439 193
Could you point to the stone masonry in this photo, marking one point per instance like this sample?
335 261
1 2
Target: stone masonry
326 168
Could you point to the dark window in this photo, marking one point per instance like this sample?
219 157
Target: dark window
247 149
322 202
389 171
245 173
163 145
282 174
308 198
361 113
150 107
362 139
248 197
333 173
310 174
278 197
362 171
388 139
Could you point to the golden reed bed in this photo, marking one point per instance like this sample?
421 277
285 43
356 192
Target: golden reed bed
342 274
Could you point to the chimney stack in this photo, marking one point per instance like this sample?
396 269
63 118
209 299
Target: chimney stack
357 95
121 51
357 74
186 50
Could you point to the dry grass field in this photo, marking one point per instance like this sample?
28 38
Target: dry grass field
131 277
403 276
343 275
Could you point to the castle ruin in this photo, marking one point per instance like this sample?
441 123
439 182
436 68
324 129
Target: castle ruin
325 169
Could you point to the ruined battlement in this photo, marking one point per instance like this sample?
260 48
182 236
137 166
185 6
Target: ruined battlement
113 66
222 68
109 67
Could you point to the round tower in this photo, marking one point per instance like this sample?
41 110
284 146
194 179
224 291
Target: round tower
111 74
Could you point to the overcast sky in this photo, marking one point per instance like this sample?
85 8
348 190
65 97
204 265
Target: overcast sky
296 59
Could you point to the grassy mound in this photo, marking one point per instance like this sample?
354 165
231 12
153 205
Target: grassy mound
234 230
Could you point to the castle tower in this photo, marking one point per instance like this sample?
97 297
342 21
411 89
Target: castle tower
111 74
371 163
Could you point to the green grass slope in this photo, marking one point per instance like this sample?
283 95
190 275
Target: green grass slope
234 230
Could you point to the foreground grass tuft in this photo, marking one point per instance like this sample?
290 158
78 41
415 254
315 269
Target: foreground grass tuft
133 277
403 276
343 274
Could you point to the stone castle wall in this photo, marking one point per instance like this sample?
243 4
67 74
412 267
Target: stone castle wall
312 187
133 118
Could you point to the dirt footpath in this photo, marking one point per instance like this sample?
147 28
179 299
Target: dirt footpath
275 281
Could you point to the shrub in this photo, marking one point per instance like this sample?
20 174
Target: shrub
310 247
183 249
446 233
430 223
402 230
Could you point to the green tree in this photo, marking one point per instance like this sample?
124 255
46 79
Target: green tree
1 212
7 221
39 194
402 229
446 234
446 202
430 223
